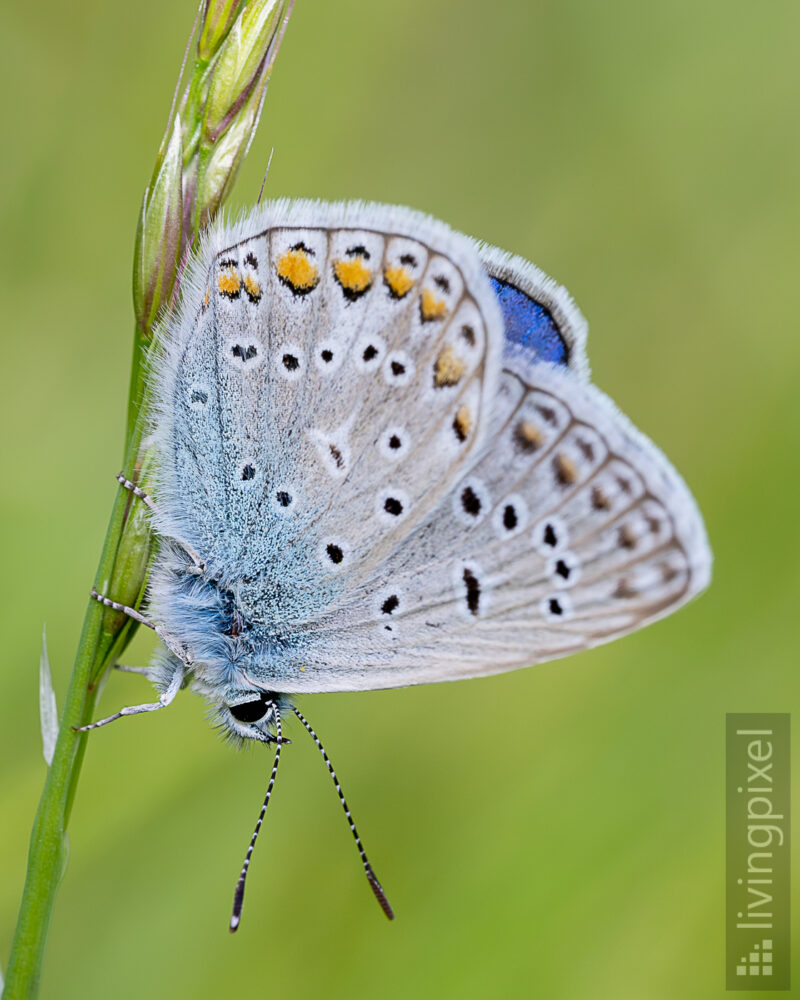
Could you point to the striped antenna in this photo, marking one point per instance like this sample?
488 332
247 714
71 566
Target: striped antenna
238 896
374 884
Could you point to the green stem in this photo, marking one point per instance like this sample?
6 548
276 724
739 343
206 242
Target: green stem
128 545
48 849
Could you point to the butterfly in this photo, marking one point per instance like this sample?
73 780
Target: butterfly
380 462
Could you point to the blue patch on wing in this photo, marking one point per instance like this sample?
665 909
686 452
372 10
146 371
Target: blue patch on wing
529 324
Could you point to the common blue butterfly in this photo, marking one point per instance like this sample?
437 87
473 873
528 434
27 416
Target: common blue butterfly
381 463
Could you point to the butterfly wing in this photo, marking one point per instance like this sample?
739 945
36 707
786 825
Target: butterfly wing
538 314
328 379
393 495
571 530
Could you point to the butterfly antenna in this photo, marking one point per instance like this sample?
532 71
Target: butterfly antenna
238 896
374 884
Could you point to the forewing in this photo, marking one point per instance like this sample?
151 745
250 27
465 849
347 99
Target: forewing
329 378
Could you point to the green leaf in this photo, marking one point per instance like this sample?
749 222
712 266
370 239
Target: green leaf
48 710
241 63
219 15
158 238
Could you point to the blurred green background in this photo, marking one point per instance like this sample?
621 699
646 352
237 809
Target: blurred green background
555 832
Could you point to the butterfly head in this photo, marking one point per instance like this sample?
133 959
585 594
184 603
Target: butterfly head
250 715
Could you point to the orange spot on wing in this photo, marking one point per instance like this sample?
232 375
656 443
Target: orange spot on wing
565 469
353 275
252 287
600 499
229 283
296 269
398 280
431 307
528 436
448 369
462 423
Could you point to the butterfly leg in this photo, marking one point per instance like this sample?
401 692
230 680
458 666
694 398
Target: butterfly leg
166 698
173 646
198 563
142 671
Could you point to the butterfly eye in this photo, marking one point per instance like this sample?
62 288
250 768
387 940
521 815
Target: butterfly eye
250 711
